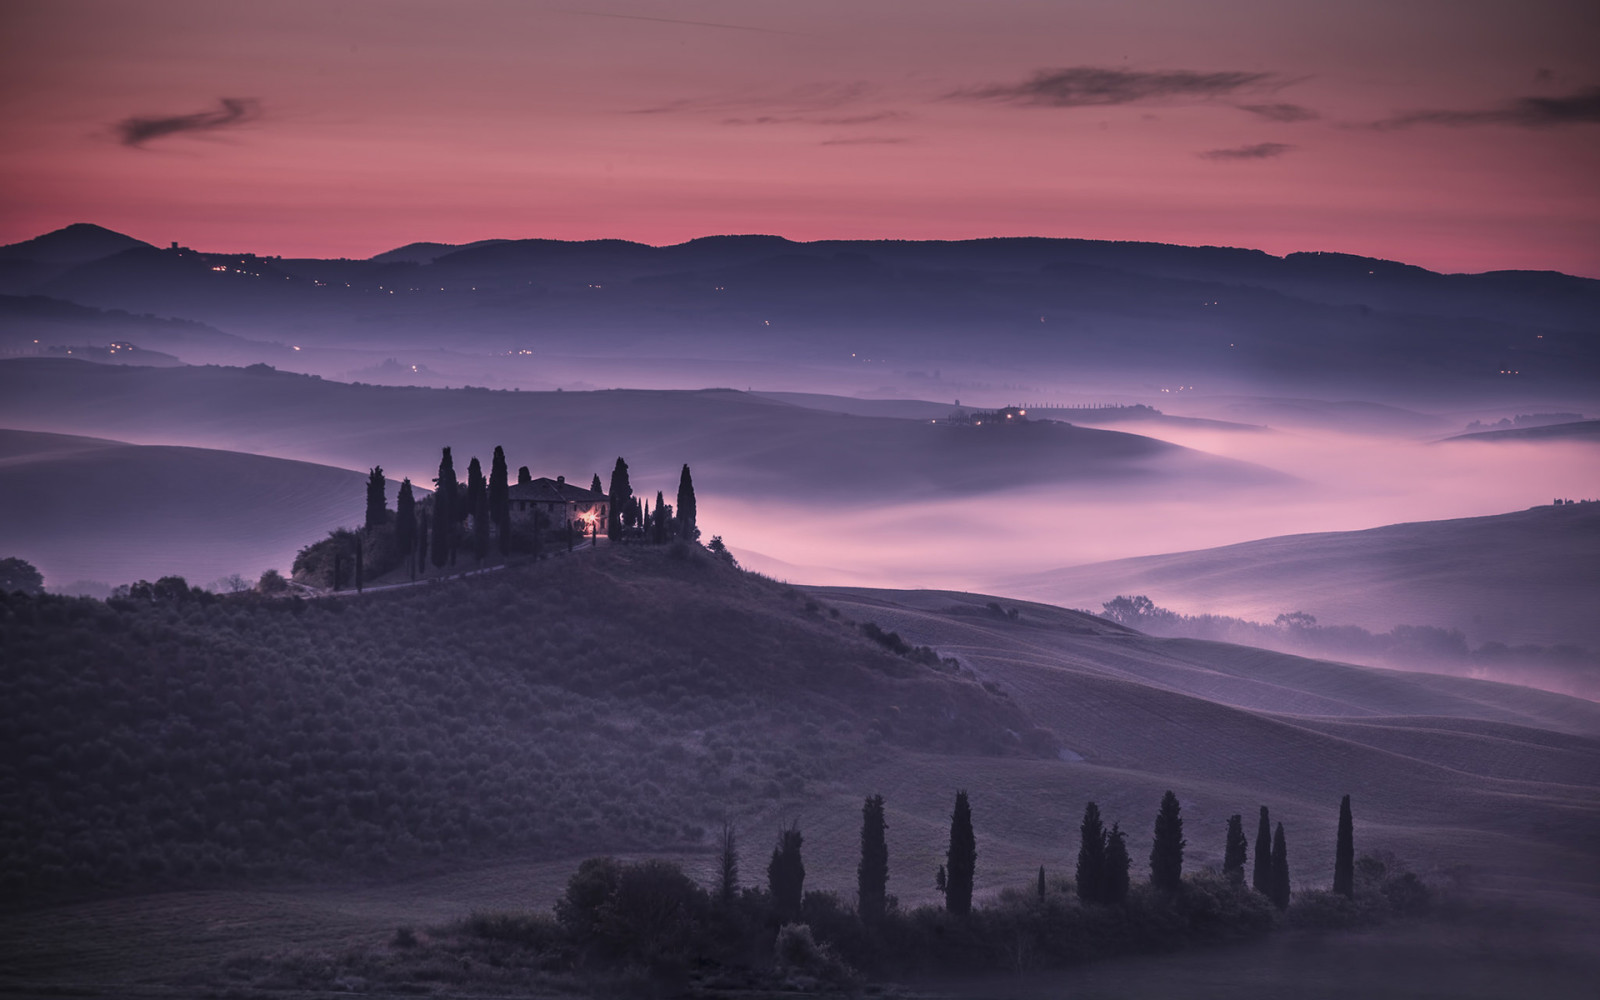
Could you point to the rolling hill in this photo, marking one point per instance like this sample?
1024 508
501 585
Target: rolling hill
628 699
84 508
1524 577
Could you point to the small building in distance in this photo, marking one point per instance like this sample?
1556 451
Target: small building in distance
560 502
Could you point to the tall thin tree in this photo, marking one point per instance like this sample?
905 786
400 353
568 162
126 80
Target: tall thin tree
1235 850
727 865
500 500
1041 888
1166 854
961 858
524 477
405 519
1117 864
377 510
1261 877
872 874
1344 853
422 542
1280 870
786 875
686 506
594 484
478 507
443 517
620 497
1091 856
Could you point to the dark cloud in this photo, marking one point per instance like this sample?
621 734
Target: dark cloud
866 140
140 129
1280 112
1091 86
1580 108
1260 151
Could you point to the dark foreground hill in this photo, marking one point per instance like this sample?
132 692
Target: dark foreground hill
84 508
1524 577
461 745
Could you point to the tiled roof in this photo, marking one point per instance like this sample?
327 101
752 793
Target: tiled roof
543 490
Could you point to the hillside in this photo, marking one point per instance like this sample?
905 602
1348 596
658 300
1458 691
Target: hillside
330 770
1576 430
91 509
746 445
1461 574
1062 306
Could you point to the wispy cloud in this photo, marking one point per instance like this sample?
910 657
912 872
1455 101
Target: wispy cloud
1094 86
232 111
866 140
1579 108
810 99
1259 151
1280 112
862 119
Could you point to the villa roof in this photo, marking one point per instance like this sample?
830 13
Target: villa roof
545 490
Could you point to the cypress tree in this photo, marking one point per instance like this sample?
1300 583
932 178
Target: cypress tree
1117 863
524 477
1041 882
872 875
361 571
405 519
961 859
686 506
377 510
500 500
1166 854
1280 871
444 515
620 497
727 865
1092 856
1344 853
422 542
478 506
1235 850
594 485
658 528
1261 877
786 875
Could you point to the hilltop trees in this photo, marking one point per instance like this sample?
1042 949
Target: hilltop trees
377 510
19 575
444 504
786 875
620 497
1117 863
1166 855
478 506
499 500
872 874
1235 850
686 506
405 519
1280 871
961 859
1091 856
1344 853
1261 878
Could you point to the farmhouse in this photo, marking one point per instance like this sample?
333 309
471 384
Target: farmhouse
558 504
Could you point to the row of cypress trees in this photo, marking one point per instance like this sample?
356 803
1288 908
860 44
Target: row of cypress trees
629 517
1102 869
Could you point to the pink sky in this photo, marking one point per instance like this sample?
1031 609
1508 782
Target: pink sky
377 123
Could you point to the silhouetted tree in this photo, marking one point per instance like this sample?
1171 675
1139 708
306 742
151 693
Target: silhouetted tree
941 881
872 874
686 506
658 526
499 500
621 497
1235 851
524 477
1091 856
1166 854
1117 864
377 511
1280 871
1041 882
786 875
478 507
727 865
1344 853
961 859
20 575
422 541
361 568
444 515
1261 877
338 571
594 484
405 519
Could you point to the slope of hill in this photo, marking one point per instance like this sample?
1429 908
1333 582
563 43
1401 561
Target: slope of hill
89 509
1524 577
746 445
1576 430
459 746
35 323
1164 312
74 244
